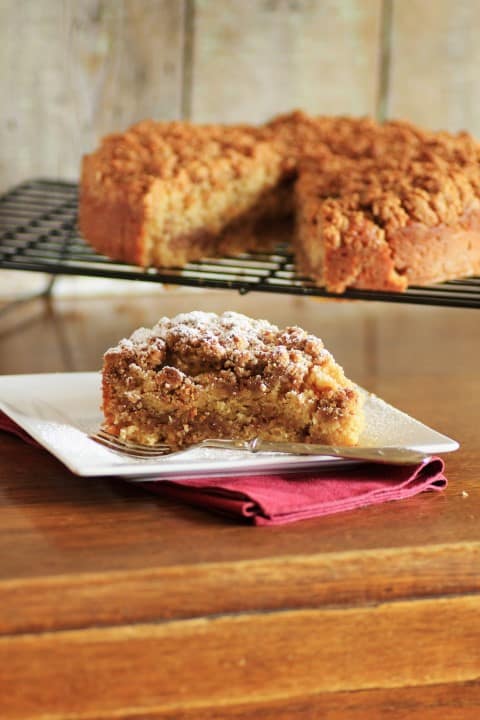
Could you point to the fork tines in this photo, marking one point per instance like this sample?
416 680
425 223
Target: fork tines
127 447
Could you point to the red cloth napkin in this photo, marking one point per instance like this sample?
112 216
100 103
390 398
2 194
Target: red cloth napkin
278 499
12 427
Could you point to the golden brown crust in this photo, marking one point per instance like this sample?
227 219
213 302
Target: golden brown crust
434 254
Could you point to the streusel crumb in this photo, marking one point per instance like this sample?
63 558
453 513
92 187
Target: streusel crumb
201 375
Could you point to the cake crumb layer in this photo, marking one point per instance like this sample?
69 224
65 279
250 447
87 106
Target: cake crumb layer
201 375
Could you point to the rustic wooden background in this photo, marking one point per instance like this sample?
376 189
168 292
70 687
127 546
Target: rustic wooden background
73 70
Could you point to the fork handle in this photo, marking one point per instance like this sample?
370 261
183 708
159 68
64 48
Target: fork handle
386 455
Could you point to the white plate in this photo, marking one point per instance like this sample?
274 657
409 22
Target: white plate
59 410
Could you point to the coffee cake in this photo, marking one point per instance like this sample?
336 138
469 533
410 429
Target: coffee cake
162 194
201 375
376 206
386 223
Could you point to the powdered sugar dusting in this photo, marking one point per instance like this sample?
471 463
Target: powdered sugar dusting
227 329
224 341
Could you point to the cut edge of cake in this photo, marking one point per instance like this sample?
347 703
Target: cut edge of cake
373 224
130 212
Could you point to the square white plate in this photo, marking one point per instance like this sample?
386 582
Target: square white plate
59 410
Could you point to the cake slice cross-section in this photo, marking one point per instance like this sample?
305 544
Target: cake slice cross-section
201 375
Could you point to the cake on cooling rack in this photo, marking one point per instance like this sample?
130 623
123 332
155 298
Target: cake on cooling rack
374 223
163 194
376 206
201 375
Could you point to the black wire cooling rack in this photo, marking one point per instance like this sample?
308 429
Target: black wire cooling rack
38 233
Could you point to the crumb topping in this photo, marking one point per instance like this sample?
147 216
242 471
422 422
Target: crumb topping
395 172
298 135
392 194
179 151
199 342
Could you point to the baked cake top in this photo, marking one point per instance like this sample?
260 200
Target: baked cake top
199 342
179 151
183 153
298 134
394 192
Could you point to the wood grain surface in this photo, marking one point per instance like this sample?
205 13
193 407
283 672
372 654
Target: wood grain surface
435 56
224 660
255 59
115 603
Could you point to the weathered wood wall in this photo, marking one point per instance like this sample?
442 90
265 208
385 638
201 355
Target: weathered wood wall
73 70
255 59
435 62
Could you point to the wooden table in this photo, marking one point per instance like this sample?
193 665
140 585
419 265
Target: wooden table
115 603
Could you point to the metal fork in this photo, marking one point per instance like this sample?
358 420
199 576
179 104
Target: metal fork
387 455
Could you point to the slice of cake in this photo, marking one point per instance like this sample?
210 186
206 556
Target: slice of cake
200 375
162 194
